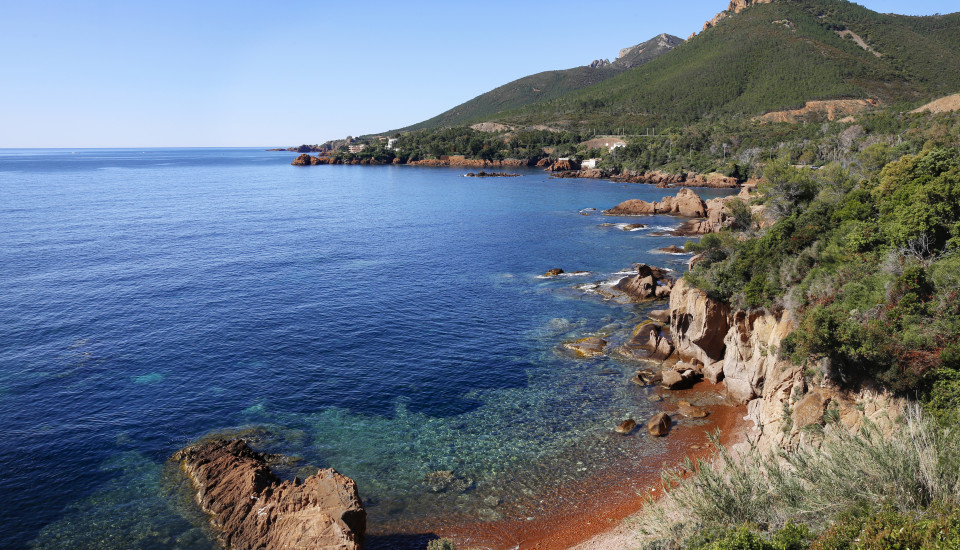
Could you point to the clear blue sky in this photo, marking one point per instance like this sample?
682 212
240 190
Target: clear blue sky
244 73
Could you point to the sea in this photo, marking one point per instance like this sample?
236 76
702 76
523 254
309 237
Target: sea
391 322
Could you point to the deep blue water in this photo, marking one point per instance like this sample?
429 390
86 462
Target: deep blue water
385 321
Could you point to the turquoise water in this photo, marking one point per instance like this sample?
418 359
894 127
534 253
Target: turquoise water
389 322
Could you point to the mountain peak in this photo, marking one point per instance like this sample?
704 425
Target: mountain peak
641 53
736 6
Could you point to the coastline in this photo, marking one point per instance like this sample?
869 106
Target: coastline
558 169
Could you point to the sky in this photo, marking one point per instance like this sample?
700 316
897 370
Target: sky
243 73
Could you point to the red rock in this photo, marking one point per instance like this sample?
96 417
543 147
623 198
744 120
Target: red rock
685 203
302 160
252 509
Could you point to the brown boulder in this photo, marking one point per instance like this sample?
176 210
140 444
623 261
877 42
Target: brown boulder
302 160
553 272
627 426
251 508
659 425
646 284
673 380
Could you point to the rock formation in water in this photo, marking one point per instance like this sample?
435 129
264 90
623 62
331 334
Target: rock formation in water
648 284
686 203
252 509
712 215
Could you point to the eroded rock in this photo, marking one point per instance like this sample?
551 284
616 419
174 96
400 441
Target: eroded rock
252 509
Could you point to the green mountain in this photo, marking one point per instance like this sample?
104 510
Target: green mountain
767 57
548 85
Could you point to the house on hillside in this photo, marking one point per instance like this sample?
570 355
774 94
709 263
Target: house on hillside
589 164
357 148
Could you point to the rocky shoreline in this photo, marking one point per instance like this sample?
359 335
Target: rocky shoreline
559 168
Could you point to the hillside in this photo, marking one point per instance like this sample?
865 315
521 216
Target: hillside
770 57
548 85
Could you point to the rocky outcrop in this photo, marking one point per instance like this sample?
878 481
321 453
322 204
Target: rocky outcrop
719 216
461 161
650 342
648 284
742 349
685 203
690 179
482 174
698 325
752 348
589 173
252 509
736 6
564 164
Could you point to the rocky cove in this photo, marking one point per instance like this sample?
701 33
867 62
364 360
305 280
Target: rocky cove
708 367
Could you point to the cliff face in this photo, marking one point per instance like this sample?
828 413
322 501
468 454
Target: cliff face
741 349
251 507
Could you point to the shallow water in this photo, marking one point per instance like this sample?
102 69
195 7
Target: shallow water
386 321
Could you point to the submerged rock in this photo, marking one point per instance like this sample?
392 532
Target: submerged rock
251 508
587 347
627 426
691 411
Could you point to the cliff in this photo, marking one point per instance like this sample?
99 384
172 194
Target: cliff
741 349
251 508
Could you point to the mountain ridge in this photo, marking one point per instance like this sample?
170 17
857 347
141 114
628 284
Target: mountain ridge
548 85
755 57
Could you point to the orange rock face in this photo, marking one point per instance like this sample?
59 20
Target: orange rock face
685 203
252 509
